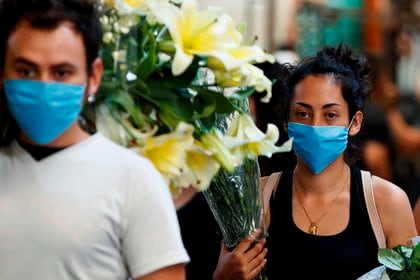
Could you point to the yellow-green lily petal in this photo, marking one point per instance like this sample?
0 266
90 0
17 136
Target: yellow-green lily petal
202 168
134 3
234 78
181 61
125 7
260 81
245 75
168 151
251 54
243 127
138 136
252 142
214 142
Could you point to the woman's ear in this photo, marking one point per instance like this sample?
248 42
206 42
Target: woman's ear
1 79
356 123
285 127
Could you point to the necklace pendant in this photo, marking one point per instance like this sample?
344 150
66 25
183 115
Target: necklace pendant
313 229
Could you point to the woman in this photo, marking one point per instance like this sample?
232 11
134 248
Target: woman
319 226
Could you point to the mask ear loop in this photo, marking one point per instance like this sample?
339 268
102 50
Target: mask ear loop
351 122
285 125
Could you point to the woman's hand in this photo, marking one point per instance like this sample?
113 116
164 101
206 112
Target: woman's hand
245 262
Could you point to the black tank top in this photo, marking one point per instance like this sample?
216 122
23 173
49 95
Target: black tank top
291 251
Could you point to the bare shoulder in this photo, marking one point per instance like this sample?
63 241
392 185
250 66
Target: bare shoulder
390 199
386 191
394 210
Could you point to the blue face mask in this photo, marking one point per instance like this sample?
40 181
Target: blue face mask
43 110
318 146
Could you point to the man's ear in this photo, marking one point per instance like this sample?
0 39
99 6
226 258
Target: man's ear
356 124
94 80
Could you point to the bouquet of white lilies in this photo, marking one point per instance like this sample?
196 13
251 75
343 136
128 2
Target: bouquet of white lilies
171 70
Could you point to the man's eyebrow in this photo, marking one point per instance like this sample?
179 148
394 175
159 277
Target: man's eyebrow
28 62
64 64
25 61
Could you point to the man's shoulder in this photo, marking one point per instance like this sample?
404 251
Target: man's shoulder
105 150
7 152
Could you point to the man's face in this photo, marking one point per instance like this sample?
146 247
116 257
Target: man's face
49 55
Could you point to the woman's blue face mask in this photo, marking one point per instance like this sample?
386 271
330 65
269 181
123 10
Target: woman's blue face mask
43 110
318 146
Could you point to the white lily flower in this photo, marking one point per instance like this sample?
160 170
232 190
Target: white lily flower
202 167
243 54
260 81
253 53
235 78
247 75
251 142
218 145
206 33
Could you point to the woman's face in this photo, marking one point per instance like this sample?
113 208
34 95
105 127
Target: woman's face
317 101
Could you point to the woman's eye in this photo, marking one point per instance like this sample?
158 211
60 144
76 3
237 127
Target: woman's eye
302 114
331 115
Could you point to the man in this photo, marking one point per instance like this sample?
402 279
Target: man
72 205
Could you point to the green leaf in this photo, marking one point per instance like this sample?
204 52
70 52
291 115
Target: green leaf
172 113
207 123
183 80
221 103
243 93
203 110
158 92
148 57
126 102
414 275
391 259
415 258
167 45
174 106
405 251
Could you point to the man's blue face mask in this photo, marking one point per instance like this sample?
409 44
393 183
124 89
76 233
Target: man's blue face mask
318 146
43 110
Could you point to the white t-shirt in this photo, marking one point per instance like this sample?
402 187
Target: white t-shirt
94 210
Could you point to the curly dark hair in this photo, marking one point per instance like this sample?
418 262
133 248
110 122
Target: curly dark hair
352 72
46 14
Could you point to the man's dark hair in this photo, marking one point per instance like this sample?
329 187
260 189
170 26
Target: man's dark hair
350 70
48 14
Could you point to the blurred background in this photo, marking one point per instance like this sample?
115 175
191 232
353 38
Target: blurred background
365 24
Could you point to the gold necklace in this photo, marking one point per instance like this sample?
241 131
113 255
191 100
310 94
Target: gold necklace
313 227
